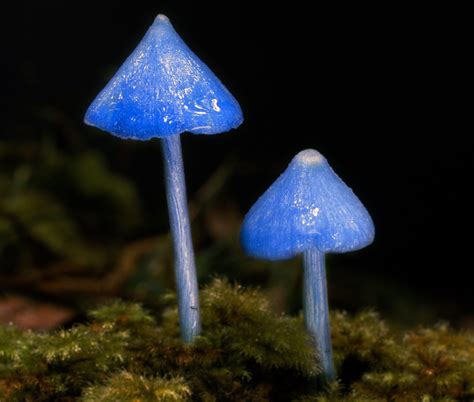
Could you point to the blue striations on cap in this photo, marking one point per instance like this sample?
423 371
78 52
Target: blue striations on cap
163 89
308 206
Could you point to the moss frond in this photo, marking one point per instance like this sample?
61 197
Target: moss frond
127 387
124 315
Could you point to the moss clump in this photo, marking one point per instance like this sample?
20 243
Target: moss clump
246 353
377 363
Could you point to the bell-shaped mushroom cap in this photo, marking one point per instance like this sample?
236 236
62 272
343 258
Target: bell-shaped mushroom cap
308 206
163 89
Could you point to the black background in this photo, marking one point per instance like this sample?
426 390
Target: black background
380 91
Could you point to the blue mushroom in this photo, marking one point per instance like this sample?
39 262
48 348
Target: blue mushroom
163 90
310 211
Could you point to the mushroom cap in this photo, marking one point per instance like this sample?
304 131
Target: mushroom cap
163 89
308 206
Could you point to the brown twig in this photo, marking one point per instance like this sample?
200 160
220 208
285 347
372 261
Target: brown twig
110 283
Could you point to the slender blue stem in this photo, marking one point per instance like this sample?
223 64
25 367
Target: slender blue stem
316 311
185 268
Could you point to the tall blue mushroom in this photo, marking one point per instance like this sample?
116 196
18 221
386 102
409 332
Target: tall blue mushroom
163 90
310 211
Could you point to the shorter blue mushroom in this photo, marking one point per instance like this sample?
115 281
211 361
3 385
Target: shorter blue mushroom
310 211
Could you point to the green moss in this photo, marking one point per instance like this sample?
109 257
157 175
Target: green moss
430 364
246 353
124 387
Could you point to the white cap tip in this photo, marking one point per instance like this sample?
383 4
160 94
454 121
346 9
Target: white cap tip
310 157
161 18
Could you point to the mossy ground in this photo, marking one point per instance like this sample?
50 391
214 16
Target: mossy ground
246 353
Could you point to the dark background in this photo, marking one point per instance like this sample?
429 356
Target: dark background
379 91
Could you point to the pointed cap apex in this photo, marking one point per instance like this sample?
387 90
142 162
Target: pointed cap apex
161 18
310 157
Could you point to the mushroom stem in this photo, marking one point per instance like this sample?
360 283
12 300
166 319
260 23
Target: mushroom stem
316 311
185 269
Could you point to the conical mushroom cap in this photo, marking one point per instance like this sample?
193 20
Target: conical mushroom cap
163 89
308 206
